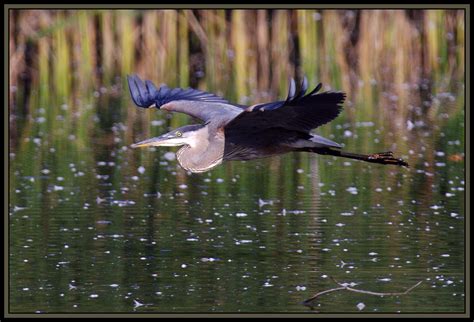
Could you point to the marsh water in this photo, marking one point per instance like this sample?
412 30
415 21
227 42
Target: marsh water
102 227
95 226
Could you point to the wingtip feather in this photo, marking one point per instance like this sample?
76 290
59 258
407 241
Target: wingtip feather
291 90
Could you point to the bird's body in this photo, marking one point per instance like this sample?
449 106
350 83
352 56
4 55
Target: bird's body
236 132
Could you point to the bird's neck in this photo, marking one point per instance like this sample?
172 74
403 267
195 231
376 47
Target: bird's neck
203 155
194 160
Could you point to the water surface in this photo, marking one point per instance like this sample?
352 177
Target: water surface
104 228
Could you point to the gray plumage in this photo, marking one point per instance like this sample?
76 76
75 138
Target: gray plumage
237 132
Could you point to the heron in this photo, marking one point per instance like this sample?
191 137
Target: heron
230 132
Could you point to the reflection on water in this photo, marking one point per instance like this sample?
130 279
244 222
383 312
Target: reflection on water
104 228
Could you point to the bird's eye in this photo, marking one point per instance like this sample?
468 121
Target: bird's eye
178 134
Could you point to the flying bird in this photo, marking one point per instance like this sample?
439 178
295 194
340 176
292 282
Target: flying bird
237 132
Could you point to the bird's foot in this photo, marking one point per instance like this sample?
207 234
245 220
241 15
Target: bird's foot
386 158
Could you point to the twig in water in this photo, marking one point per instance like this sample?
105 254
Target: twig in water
343 287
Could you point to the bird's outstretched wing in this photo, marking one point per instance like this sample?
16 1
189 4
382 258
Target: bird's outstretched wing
203 105
298 112
146 94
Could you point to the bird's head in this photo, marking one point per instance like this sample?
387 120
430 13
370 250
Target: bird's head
185 135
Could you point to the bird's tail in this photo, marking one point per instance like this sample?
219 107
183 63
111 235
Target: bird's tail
381 158
321 142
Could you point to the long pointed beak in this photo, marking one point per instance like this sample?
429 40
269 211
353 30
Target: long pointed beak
162 140
150 142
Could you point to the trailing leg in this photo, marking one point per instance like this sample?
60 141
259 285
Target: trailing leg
381 158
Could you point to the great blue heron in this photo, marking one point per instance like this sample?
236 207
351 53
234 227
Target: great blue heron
237 132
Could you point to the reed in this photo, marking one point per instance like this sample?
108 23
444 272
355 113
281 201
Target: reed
108 55
308 29
183 50
239 47
61 54
280 63
72 53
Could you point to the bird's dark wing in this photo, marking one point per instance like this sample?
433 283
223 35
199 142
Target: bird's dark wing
203 105
298 112
146 94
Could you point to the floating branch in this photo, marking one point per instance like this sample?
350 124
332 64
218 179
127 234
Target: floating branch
343 287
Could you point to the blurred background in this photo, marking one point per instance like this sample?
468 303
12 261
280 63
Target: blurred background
62 57
95 226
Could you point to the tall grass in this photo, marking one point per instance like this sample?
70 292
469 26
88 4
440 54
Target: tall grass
58 56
